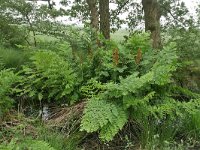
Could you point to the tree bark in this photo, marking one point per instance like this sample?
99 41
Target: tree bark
152 15
94 14
104 18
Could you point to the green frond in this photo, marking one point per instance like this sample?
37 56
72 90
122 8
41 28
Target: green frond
165 65
104 116
112 128
7 79
130 100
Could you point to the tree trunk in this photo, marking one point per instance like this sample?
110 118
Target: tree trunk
152 16
31 29
104 18
94 14
50 5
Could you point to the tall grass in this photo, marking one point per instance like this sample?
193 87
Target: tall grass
118 36
12 58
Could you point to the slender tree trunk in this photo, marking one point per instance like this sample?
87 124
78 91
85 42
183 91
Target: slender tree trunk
31 29
104 18
94 14
152 16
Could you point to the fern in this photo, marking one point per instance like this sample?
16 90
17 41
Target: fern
190 107
165 65
92 88
104 116
166 107
112 128
47 72
7 79
101 114
129 100
131 84
139 40
144 96
184 91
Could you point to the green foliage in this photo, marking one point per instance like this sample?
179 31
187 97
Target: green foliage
7 80
113 61
105 67
103 115
38 145
32 134
166 64
19 141
13 58
188 45
191 126
62 49
143 96
121 82
12 36
110 62
139 41
30 144
92 88
48 77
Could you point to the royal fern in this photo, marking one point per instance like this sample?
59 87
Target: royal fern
7 79
144 94
104 116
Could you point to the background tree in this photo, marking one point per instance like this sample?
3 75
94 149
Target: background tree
94 14
104 18
152 14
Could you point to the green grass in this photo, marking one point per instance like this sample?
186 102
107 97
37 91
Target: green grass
13 58
33 134
118 36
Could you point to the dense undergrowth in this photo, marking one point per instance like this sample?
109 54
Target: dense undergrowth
133 96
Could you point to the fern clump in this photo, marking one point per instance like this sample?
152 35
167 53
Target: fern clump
47 77
143 95
7 80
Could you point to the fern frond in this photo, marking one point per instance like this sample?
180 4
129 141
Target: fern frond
165 65
185 92
7 79
130 100
112 128
39 145
131 84
104 116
